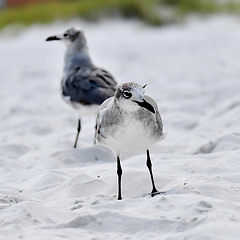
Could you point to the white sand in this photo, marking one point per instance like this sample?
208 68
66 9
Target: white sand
50 191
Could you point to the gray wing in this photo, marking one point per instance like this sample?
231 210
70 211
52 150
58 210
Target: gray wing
151 101
158 117
102 108
89 85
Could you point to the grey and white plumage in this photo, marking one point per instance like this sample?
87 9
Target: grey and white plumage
127 122
84 86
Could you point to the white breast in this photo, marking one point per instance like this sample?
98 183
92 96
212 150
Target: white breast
83 110
130 136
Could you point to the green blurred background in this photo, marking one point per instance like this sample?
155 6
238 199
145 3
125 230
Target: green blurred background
154 12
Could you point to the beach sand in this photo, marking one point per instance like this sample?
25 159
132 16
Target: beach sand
48 190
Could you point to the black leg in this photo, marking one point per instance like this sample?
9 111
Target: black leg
78 131
119 173
149 165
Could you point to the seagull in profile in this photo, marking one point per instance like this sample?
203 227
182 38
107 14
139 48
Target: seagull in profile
84 86
127 122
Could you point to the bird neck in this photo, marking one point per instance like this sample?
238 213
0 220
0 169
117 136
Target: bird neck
75 49
126 106
77 57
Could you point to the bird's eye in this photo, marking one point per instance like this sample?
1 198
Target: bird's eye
65 34
127 94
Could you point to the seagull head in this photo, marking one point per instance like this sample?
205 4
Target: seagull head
70 37
130 97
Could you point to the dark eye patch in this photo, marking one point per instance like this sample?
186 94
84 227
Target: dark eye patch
126 94
71 34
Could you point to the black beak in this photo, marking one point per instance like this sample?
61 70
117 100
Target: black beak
146 105
52 38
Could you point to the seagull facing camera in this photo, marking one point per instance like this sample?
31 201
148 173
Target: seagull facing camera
127 122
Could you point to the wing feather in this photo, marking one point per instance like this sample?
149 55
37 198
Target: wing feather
89 85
